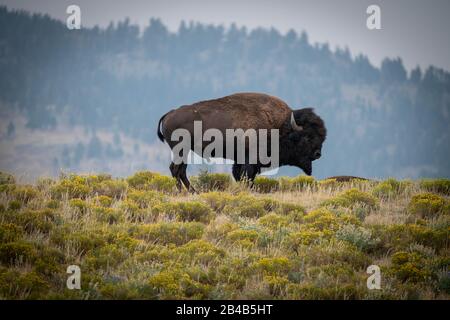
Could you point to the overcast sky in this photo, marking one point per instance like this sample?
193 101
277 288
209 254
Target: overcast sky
416 30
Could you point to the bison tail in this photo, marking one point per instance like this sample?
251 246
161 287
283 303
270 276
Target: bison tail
158 130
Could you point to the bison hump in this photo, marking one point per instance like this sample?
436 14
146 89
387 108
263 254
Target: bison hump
246 110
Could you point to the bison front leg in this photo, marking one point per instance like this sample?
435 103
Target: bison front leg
251 170
237 171
247 171
175 171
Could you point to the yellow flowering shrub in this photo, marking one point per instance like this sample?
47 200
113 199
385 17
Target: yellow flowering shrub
428 204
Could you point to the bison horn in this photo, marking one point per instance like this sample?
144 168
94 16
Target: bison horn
294 125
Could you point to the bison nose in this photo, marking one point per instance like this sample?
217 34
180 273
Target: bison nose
317 154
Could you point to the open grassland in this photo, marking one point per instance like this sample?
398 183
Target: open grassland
285 238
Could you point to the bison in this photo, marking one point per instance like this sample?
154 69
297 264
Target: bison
301 133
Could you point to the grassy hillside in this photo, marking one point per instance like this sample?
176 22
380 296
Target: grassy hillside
289 238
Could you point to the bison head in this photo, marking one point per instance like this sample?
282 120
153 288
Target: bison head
303 142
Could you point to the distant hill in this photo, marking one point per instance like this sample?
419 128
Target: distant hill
381 121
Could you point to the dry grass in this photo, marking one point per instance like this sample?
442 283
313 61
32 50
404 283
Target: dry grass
138 238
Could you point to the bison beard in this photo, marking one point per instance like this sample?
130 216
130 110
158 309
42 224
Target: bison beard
301 132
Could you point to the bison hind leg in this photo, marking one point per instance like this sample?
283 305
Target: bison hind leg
185 179
179 173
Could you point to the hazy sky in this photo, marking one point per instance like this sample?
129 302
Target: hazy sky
416 30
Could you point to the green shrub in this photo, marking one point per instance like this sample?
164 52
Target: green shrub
285 184
108 256
325 220
268 203
333 282
277 284
334 251
436 185
14 205
25 193
331 184
6 178
44 184
244 205
15 285
410 266
73 186
444 282
177 284
163 183
297 183
220 227
17 252
185 211
52 204
389 188
274 266
359 236
79 204
265 184
248 209
113 290
169 284
246 238
235 272
249 236
141 179
177 233
82 241
302 182
199 251
401 236
273 221
115 189
36 220
304 238
216 200
146 180
49 261
104 201
428 204
286 208
10 232
212 181
133 212
108 215
145 198
351 198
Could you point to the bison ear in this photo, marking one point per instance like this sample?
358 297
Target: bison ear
294 136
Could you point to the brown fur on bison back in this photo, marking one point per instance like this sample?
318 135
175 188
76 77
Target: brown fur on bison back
240 110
